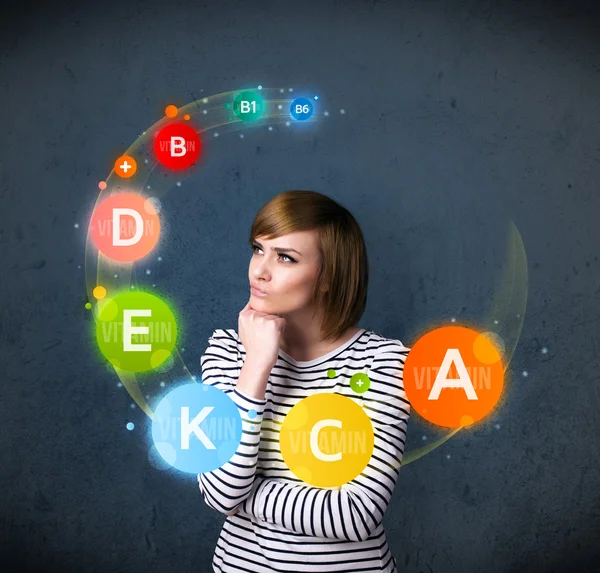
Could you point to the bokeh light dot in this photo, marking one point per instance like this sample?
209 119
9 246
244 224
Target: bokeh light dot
102 184
152 205
130 426
171 111
99 292
156 460
88 305
488 347
107 308
186 116
162 361
167 452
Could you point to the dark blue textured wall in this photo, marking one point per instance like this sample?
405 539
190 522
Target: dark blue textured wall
460 117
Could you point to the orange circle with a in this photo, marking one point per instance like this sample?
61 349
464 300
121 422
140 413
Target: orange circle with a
453 376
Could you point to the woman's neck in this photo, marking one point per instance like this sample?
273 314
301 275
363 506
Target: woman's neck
307 351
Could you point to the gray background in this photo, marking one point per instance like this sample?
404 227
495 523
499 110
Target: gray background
460 117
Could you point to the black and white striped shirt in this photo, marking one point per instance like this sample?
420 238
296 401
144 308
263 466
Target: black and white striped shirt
284 524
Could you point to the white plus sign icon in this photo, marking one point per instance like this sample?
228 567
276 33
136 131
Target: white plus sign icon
125 166
360 382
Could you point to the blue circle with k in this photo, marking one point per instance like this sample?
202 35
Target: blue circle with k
196 428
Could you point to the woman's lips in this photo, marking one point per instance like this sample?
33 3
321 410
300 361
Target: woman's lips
256 292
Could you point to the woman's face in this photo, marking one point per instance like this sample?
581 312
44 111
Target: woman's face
287 276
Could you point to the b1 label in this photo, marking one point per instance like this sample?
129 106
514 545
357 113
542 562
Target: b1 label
248 106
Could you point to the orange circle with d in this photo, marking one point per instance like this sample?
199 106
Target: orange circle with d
453 376
123 228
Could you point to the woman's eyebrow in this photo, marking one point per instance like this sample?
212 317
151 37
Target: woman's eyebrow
278 249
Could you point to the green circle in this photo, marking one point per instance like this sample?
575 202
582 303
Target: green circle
248 106
136 351
331 373
360 382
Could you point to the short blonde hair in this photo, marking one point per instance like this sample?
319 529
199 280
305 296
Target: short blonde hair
344 268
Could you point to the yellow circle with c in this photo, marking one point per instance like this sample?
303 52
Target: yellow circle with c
326 440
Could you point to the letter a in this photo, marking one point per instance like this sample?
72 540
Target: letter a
442 381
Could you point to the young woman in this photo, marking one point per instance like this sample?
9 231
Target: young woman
308 288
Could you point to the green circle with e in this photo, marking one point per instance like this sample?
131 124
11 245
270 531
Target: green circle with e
248 106
135 331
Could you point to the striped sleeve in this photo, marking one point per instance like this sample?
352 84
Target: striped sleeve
226 487
353 511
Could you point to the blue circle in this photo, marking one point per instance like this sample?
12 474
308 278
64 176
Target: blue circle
301 108
130 426
196 428
252 413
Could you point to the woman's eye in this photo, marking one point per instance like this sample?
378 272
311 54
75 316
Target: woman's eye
254 247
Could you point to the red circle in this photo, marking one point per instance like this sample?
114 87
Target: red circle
177 146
